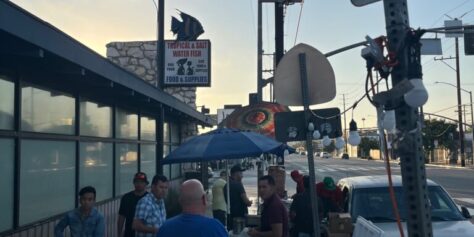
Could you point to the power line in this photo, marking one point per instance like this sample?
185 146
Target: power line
442 16
298 25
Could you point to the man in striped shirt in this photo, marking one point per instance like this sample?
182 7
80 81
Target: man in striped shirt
150 213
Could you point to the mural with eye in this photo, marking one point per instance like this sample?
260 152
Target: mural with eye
258 117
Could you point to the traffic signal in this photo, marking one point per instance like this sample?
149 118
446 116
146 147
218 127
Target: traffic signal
469 40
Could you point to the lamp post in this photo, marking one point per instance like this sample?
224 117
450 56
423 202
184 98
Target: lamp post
460 122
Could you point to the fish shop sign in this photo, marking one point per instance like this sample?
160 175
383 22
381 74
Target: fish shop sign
187 63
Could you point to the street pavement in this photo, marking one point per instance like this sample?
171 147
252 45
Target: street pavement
459 182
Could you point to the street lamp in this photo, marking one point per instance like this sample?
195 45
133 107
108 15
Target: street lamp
472 115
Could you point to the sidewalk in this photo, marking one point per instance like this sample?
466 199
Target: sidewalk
250 182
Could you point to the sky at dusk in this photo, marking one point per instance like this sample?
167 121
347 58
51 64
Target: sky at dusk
231 26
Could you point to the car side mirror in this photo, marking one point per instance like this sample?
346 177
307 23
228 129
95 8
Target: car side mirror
465 213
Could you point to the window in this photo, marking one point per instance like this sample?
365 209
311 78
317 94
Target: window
47 178
96 119
148 129
96 168
374 204
166 168
175 168
126 124
126 167
6 183
46 111
7 101
166 132
174 131
148 159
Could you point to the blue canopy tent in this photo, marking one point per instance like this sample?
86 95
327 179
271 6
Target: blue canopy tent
225 144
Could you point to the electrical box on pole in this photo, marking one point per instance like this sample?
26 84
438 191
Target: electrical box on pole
469 40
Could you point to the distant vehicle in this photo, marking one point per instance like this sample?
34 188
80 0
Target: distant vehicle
345 156
325 155
367 196
316 154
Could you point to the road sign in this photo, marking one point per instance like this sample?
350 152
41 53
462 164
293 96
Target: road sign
457 32
290 126
431 46
361 3
321 79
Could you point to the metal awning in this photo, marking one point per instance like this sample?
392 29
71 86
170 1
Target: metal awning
31 45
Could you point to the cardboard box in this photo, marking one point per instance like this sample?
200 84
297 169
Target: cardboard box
339 234
340 223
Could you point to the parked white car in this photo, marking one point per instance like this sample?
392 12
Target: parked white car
325 155
367 196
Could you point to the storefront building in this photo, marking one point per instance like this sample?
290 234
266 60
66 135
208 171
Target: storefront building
71 118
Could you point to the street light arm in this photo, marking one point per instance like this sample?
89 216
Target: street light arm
447 83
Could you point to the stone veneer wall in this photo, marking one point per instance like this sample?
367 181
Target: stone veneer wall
139 57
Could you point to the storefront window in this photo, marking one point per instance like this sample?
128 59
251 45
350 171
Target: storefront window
46 111
126 124
148 128
175 168
47 178
175 137
148 159
96 168
6 183
166 132
96 119
166 168
7 102
126 167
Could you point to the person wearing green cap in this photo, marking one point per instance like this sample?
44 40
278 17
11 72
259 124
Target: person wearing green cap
330 196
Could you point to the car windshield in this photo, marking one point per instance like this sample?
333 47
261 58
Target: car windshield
374 204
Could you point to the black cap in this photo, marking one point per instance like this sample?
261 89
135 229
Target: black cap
140 176
236 168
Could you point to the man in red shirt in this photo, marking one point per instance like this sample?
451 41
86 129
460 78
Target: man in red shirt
298 178
330 197
274 218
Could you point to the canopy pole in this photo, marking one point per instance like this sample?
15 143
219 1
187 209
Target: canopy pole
228 191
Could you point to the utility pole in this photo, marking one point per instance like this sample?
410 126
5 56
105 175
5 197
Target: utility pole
472 129
279 32
160 73
279 42
345 128
458 84
410 146
259 52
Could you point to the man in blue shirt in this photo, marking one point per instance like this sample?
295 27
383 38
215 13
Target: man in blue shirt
192 222
85 220
150 212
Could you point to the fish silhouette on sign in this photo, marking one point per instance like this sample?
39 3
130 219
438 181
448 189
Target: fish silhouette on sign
188 29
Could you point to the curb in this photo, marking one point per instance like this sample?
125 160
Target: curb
432 165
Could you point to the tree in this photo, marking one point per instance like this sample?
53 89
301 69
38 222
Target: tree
366 144
443 133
